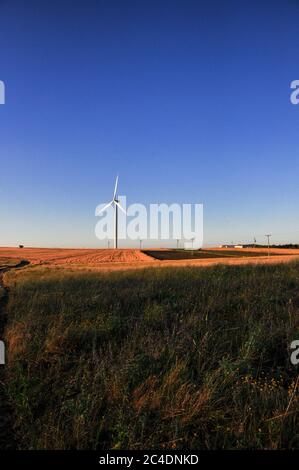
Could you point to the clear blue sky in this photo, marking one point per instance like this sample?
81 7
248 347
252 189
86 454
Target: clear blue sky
188 100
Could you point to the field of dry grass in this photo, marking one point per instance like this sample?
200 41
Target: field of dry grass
153 358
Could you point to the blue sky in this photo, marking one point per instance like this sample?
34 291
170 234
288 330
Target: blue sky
189 101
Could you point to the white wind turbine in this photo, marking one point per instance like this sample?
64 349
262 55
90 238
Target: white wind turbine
115 204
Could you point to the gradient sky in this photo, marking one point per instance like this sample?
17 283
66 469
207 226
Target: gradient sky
189 101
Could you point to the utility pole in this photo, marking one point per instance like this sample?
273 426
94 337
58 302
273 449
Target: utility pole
140 243
177 243
108 244
268 236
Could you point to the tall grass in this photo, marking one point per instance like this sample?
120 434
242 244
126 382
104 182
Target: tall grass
163 358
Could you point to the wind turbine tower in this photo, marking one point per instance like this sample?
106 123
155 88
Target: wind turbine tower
116 205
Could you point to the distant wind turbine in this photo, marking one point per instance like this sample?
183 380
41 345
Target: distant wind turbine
115 204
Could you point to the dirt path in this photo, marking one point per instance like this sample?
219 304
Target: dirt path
7 440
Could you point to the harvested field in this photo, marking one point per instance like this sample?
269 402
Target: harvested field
106 256
122 259
82 256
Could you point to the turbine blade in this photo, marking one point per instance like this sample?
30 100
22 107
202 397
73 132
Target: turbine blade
99 211
115 187
121 208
